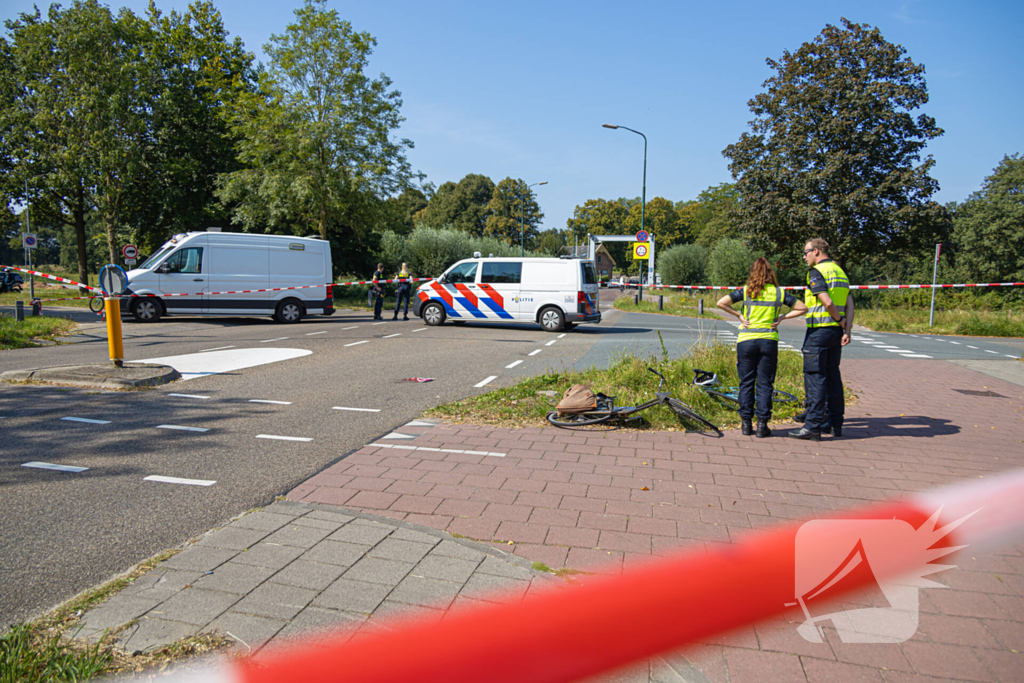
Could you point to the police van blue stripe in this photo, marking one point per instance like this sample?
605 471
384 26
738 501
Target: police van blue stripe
493 305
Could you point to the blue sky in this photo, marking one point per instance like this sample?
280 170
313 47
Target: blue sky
521 89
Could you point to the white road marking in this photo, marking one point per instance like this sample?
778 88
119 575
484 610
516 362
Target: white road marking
310 334
419 423
358 410
265 341
513 364
972 347
953 342
398 435
50 466
551 342
219 348
176 480
350 328
365 341
86 420
189 396
534 353
276 403
561 335
937 339
915 355
486 381
989 351
886 347
898 351
183 429
398 334
282 438
1009 356
380 323
420 329
436 450
194 365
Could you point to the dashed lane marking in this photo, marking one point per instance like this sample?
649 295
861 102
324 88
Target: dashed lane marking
183 429
561 336
898 351
189 396
267 341
397 334
177 480
86 420
365 341
283 438
990 351
420 329
380 323
310 334
51 466
350 328
551 342
276 403
953 342
534 353
485 382
219 348
972 347
915 355
884 346
357 410
1009 356
513 364
436 450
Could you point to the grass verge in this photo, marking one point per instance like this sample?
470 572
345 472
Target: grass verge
627 378
967 323
684 305
45 650
17 335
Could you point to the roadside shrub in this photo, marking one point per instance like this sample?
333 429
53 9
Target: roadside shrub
730 262
684 265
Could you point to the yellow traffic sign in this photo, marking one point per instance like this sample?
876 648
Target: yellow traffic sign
641 251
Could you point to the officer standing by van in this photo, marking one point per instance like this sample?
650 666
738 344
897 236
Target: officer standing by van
828 330
404 290
378 292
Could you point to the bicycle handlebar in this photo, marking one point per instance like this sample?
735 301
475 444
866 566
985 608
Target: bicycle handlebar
659 375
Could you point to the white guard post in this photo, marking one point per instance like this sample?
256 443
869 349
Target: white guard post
594 240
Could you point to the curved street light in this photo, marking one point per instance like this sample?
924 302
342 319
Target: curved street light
643 196
522 219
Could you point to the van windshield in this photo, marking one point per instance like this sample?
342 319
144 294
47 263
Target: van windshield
589 274
462 273
155 258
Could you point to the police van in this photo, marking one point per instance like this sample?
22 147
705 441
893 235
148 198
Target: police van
180 277
558 294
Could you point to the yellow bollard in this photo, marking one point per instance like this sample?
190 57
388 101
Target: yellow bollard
114 343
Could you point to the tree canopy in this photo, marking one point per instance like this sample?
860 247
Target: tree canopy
993 219
461 205
834 150
513 208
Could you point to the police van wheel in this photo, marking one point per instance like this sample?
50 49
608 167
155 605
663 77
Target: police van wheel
147 310
552 320
289 311
433 314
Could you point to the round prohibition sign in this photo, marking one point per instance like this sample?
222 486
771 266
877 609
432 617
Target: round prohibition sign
642 236
113 280
129 251
29 240
641 250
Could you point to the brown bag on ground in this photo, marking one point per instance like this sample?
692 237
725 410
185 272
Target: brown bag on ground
577 399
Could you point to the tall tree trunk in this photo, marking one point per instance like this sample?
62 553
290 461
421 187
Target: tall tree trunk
323 222
78 215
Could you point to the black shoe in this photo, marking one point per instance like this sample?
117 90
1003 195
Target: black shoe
746 429
837 431
405 318
800 417
396 317
827 429
806 434
762 430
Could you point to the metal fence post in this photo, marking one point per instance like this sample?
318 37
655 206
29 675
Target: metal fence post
935 274
661 302
19 311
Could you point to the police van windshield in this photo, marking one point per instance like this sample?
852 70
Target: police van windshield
155 258
589 274
462 273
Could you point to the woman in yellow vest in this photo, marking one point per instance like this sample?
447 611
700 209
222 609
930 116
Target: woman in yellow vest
757 348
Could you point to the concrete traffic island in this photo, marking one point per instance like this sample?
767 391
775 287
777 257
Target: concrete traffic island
100 375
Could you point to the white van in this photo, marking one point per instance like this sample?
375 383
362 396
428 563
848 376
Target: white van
556 293
194 264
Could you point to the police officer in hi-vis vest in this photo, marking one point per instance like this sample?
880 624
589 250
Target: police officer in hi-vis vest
757 348
829 321
404 290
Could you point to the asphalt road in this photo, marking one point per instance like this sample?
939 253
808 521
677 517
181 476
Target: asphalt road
62 532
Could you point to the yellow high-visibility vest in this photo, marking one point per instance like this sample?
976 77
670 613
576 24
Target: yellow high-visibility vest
761 313
838 291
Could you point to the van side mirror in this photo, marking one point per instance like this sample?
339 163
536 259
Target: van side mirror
162 268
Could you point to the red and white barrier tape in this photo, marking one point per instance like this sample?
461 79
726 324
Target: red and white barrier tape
567 635
974 284
54 277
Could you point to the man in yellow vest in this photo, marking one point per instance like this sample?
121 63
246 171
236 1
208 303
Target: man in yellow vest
404 290
828 330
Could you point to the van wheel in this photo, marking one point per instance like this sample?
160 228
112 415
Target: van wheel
552 320
289 311
147 309
433 314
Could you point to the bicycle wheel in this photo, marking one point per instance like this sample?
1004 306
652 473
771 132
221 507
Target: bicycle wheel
96 304
730 396
688 413
579 420
783 397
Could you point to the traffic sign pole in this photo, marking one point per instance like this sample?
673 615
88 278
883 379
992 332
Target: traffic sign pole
113 281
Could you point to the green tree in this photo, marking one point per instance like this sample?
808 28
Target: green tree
988 228
513 207
711 216
834 150
401 209
462 205
316 140
683 264
660 220
730 261
550 242
603 217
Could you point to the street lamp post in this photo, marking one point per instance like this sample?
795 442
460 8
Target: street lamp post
643 196
522 219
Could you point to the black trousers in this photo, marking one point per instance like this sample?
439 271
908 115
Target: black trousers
378 305
403 293
756 362
823 383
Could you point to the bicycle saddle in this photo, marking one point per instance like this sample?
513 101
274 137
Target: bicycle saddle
704 378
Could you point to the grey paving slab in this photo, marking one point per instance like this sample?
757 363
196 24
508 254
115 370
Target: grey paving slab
495 588
325 623
251 631
496 567
285 508
452 549
234 577
263 521
329 516
318 523
298 536
275 600
404 551
360 533
355 596
162 578
306 574
390 613
373 570
118 611
401 534
445 568
424 592
266 555
151 633
334 552
232 538
199 558
195 606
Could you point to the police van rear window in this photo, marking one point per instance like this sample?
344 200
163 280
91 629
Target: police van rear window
498 273
589 274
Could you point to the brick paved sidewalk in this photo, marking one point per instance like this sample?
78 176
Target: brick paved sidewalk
595 501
